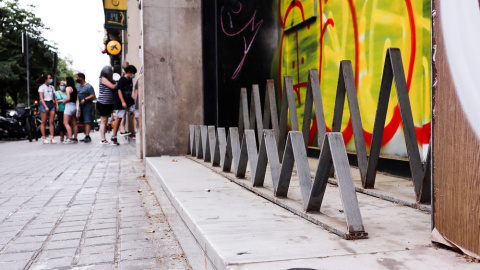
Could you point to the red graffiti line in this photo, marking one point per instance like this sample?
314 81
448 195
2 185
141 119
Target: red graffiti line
255 27
297 86
313 130
293 4
357 45
423 133
348 132
329 22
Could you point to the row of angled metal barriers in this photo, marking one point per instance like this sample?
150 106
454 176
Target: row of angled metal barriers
260 140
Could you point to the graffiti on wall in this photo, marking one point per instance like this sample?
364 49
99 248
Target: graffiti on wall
260 40
359 31
246 37
247 32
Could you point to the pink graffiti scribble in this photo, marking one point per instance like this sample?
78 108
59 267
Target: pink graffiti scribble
247 45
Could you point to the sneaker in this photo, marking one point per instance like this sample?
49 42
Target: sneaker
68 141
87 139
124 133
53 141
45 141
74 140
104 142
114 141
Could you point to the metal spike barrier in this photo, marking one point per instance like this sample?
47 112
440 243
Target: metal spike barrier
393 71
239 155
288 108
191 141
270 118
313 97
346 85
281 150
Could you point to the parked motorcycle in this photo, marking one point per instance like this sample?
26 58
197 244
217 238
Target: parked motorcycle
24 123
11 128
3 128
31 121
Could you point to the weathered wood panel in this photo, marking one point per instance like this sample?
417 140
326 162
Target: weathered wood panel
456 146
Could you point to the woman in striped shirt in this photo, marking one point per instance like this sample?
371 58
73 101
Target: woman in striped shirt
105 98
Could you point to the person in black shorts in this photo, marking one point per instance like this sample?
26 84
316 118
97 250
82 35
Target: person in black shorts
105 99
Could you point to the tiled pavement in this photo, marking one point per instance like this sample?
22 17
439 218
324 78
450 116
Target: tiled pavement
80 206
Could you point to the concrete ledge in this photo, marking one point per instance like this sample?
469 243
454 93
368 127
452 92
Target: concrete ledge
156 180
332 221
239 230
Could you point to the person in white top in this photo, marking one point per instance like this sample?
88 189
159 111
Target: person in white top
48 106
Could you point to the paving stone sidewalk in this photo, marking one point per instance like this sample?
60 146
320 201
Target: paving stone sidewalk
80 206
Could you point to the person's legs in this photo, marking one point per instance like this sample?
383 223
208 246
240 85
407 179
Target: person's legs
120 115
122 126
115 130
74 125
52 125
135 121
66 123
103 125
134 124
116 126
131 112
104 110
43 116
87 127
61 126
87 122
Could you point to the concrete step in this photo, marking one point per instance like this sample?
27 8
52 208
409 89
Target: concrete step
237 229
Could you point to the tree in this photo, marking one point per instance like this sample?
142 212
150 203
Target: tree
63 69
15 20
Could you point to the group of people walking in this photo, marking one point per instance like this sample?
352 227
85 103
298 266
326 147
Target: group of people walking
73 101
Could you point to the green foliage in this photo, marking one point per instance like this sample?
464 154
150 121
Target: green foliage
63 69
15 20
